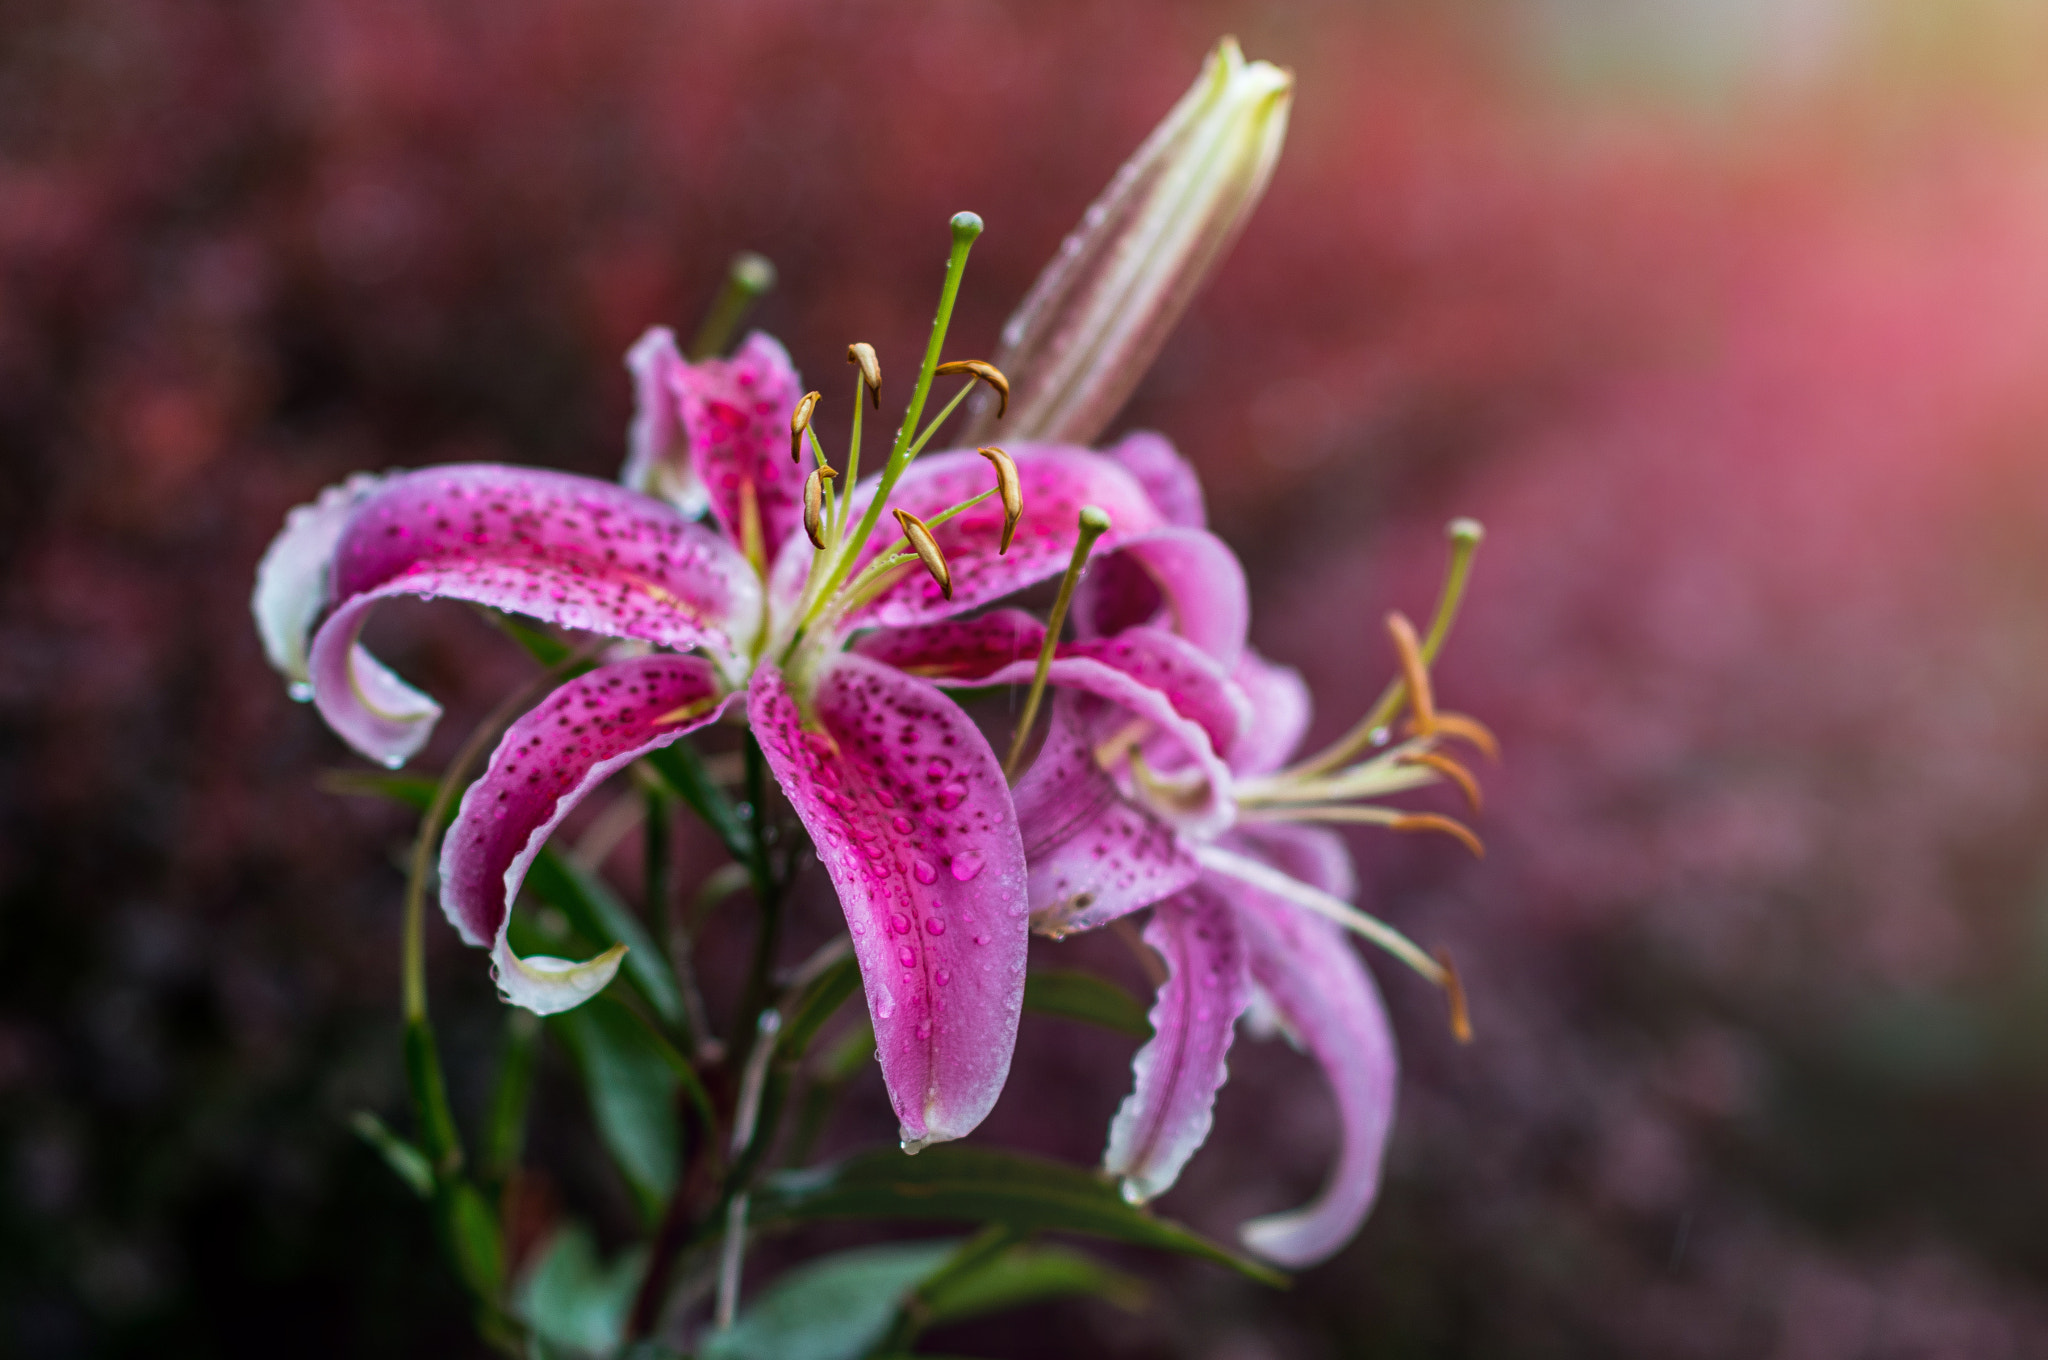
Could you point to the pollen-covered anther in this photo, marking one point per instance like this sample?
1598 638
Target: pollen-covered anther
1469 730
1454 992
927 549
814 503
1010 488
985 371
800 421
1449 826
862 356
1449 769
1414 673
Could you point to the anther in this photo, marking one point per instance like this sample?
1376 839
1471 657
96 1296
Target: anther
1454 992
1449 769
1430 821
1470 730
814 503
1011 490
985 371
800 421
1415 671
862 355
927 549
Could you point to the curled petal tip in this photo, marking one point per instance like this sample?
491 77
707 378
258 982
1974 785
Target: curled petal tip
919 535
985 371
1010 487
800 421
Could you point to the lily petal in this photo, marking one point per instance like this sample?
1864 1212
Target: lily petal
658 458
910 815
1280 708
735 413
1177 1073
1184 579
570 550
1056 482
1325 998
1165 475
292 578
571 742
1094 855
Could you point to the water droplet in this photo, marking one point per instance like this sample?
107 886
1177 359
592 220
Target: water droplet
935 926
938 768
907 956
952 796
902 824
901 923
981 938
885 1005
924 1029
301 691
942 977
925 873
966 864
872 851
859 928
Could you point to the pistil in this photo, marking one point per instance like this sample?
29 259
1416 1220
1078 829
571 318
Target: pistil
1094 524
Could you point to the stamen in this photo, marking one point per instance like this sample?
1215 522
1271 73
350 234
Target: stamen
1449 826
862 355
1449 769
814 504
1012 491
1414 672
1389 818
927 549
1454 992
746 279
985 371
800 421
1094 524
1470 730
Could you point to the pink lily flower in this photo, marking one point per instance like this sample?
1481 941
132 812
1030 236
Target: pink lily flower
906 803
1170 792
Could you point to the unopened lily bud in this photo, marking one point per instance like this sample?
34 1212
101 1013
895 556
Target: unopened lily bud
814 503
1010 488
800 421
985 371
862 355
927 549
1095 319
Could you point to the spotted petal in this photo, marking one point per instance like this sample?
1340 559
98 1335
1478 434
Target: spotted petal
570 550
907 807
1184 579
1279 701
1325 998
658 458
1179 1070
735 415
1165 475
291 580
576 738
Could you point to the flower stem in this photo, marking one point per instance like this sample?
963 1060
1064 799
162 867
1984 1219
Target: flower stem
746 279
1094 524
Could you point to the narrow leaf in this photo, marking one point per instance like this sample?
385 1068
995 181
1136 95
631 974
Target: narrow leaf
573 1300
681 767
632 1091
834 1308
407 1162
1087 998
1026 1275
505 1133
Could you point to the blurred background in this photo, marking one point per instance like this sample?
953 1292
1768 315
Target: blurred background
1729 318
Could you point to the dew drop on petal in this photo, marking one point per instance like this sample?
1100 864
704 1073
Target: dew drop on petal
901 923
951 796
885 1004
935 926
966 864
925 873
924 1029
942 977
902 824
907 956
981 938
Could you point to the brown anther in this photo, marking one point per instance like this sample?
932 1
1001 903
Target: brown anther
1449 769
1469 730
927 549
1454 992
862 355
1430 821
814 503
800 421
1415 671
985 371
1010 489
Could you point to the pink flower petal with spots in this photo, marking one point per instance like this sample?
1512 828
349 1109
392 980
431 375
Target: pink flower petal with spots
1183 579
1280 712
1165 475
658 458
907 807
1177 1073
962 651
735 416
569 550
574 740
1324 997
292 578
1093 854
1056 481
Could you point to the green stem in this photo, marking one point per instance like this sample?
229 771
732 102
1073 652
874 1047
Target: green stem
1094 524
746 279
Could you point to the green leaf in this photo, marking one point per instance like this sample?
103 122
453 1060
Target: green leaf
1026 1275
438 1136
826 994
538 643
834 1308
1087 998
632 1090
470 1229
598 914
574 1301
407 1162
505 1132
681 767
981 1185
410 790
